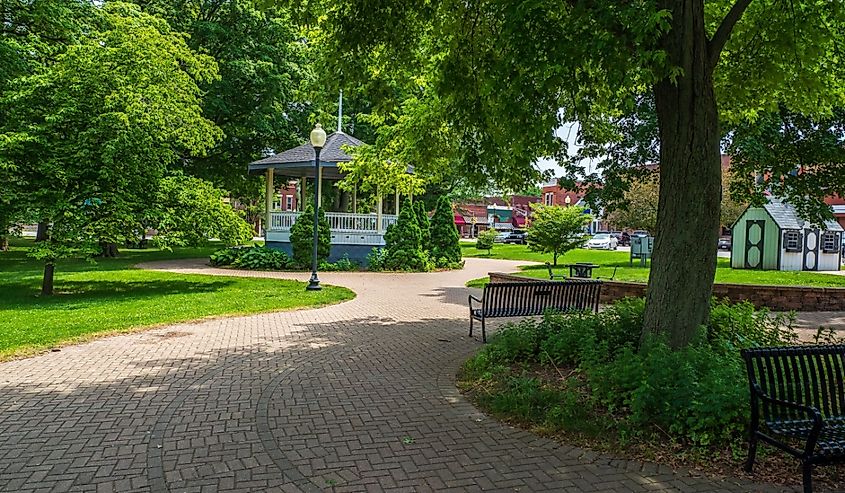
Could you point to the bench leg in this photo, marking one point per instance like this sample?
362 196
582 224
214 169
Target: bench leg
752 452
483 331
470 323
808 477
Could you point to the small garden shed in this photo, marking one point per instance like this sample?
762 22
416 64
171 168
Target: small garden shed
775 237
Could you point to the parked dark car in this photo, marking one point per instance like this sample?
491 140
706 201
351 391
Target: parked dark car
516 236
725 243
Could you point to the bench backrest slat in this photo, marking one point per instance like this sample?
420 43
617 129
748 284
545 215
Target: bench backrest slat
808 375
534 298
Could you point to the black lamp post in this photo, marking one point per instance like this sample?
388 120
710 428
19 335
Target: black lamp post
318 140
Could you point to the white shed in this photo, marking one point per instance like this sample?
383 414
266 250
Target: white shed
775 237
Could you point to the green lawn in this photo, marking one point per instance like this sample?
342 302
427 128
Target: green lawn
624 272
111 296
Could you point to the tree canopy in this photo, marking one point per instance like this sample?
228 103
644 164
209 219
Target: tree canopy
91 133
666 79
259 101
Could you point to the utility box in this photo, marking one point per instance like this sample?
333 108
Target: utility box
641 248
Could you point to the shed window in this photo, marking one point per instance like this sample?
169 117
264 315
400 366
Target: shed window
792 241
830 243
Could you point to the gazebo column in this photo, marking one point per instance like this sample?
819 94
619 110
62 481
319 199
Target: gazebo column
378 211
397 202
319 180
302 185
355 199
268 200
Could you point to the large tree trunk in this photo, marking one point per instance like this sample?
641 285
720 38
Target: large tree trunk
4 243
684 262
47 281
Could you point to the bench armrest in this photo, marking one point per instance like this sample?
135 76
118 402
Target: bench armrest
472 298
552 275
809 411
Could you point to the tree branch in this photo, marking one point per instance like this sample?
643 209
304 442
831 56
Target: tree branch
723 32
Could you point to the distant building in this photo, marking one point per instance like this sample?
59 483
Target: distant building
493 213
553 194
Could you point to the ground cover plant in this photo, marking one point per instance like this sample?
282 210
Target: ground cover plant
112 296
619 261
591 379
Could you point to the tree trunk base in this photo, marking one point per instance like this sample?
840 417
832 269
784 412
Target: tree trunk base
108 250
47 281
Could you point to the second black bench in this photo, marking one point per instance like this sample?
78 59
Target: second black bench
524 299
798 403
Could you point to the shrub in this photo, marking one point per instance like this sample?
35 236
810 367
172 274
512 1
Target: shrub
262 258
344 264
376 258
225 256
486 240
568 337
515 343
697 395
404 244
445 240
741 325
302 238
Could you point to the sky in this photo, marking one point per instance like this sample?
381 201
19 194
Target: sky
568 132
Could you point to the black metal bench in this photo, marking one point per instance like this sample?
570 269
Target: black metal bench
523 299
799 391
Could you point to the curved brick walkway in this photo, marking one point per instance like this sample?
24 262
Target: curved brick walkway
356 397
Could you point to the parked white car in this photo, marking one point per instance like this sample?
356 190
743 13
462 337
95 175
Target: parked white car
501 237
602 241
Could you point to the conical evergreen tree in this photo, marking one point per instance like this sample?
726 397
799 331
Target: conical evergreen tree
302 239
424 224
403 244
445 240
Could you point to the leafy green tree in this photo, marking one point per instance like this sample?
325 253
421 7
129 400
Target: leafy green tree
424 223
445 240
701 66
302 238
257 101
189 211
555 229
639 209
32 35
486 240
92 133
404 243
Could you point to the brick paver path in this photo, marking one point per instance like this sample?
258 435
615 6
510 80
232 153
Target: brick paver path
358 396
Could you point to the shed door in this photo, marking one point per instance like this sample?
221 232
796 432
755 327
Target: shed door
754 234
812 237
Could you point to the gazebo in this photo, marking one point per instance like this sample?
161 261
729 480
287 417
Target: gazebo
354 234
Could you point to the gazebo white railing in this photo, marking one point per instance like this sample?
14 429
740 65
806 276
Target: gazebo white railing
339 222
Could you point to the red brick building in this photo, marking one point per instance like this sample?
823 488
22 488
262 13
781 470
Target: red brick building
286 198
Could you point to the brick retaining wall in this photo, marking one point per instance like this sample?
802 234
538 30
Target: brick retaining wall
778 298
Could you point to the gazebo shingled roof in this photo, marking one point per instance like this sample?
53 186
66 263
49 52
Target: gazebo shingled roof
299 161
